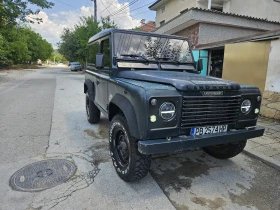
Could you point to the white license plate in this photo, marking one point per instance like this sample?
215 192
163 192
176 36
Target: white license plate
209 130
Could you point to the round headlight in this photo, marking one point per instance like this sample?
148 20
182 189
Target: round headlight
167 111
246 106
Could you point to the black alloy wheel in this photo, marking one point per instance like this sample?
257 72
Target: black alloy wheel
129 163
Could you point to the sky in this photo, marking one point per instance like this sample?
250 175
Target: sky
66 13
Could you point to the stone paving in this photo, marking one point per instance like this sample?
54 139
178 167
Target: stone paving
269 144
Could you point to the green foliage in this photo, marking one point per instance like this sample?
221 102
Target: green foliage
57 57
136 29
74 41
22 45
11 10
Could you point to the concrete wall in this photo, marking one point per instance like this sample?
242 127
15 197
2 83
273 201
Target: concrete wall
266 9
173 8
273 70
271 97
209 33
203 5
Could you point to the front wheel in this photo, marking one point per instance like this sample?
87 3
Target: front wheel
225 151
130 165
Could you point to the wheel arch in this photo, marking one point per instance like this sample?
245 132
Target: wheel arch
89 87
120 104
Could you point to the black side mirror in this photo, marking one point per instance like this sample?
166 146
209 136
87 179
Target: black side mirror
199 65
99 62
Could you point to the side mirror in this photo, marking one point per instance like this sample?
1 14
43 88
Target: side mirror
200 65
99 62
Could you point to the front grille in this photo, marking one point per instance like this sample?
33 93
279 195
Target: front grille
201 110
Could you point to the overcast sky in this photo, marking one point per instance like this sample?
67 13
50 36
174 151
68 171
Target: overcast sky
66 13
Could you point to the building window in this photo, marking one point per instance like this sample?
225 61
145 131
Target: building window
163 9
220 9
161 23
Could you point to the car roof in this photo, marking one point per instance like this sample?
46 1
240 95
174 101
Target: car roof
109 31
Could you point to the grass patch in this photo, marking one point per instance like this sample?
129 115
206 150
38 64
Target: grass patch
22 66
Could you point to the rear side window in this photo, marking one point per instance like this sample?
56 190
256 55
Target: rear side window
92 50
105 49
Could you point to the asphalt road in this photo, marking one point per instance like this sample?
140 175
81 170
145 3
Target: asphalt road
42 116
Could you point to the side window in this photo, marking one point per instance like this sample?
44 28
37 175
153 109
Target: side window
105 49
92 50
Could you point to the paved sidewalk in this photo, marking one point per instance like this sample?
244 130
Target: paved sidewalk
267 147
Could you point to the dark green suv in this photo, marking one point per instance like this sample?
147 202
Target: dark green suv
151 90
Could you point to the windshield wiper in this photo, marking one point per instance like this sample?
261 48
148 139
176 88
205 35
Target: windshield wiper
169 58
135 56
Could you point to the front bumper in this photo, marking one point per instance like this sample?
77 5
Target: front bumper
182 143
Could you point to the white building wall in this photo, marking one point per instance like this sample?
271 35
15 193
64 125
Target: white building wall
271 96
273 71
266 9
226 6
173 8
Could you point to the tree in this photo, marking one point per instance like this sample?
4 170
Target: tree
57 57
106 22
75 41
19 44
11 10
46 50
69 45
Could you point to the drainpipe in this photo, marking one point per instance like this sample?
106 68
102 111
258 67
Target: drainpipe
209 4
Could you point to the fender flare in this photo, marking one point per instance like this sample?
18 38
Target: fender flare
128 110
89 86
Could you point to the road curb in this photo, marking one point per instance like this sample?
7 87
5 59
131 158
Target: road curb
266 160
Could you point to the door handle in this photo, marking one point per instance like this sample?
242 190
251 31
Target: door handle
97 82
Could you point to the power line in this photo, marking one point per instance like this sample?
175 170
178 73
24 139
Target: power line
130 15
110 13
124 7
111 4
140 7
66 4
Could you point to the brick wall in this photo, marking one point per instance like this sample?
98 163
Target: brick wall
191 33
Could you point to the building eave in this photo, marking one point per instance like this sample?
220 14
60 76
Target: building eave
271 35
214 17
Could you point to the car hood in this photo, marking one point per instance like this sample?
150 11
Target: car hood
181 80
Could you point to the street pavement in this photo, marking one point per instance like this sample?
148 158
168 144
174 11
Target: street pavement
42 116
267 147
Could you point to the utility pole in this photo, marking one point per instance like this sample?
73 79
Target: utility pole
95 10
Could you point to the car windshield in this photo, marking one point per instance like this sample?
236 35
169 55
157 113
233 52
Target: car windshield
153 48
75 63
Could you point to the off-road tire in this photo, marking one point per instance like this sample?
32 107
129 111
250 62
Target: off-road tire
225 151
93 113
138 164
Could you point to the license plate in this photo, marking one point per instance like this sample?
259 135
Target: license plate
209 130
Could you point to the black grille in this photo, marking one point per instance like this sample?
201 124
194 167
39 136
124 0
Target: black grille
201 110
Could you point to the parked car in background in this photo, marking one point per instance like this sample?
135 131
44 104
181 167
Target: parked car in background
75 66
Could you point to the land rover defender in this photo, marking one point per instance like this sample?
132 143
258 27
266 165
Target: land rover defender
151 90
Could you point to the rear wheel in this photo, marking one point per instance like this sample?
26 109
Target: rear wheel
130 165
93 113
226 151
